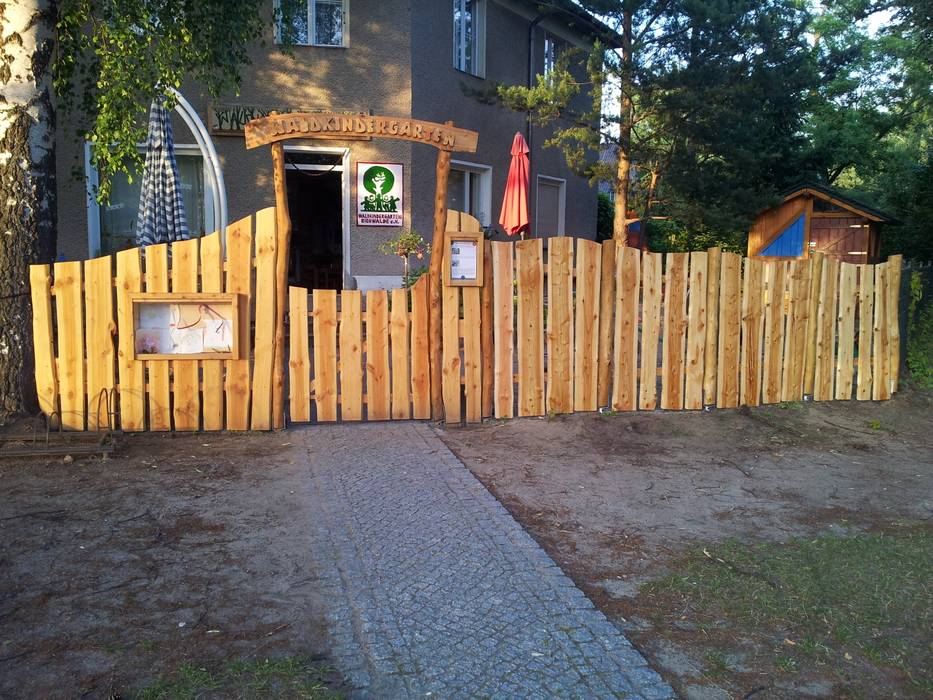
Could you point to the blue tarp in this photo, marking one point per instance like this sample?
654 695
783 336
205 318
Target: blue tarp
789 243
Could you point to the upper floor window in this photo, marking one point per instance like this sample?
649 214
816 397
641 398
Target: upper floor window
550 54
317 22
470 36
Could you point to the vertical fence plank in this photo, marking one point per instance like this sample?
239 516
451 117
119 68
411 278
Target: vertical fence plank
795 337
186 396
752 329
730 323
70 328
324 332
450 363
132 377
155 258
420 367
881 357
625 356
487 343
377 355
816 281
212 371
846 331
400 337
530 327
472 355
866 314
351 355
504 325
239 281
299 357
824 370
587 328
775 280
100 327
607 301
895 263
264 345
711 351
675 325
696 331
43 343
559 394
650 330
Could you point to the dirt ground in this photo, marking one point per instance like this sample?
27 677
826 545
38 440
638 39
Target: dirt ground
617 501
180 549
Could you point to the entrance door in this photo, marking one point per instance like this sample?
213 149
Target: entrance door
314 182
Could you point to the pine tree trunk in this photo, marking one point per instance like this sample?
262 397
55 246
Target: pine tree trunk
27 187
626 118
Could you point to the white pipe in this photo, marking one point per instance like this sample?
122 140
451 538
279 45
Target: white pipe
202 136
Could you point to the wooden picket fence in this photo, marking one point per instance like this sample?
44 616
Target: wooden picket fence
575 327
596 325
85 371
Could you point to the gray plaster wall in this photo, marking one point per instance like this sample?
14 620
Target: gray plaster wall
440 91
397 62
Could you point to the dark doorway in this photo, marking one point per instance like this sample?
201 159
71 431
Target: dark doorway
315 204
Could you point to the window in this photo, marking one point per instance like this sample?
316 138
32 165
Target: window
550 54
112 225
470 36
469 189
550 206
318 22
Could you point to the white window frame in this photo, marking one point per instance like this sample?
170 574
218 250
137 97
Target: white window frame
343 169
485 186
478 69
561 202
311 29
92 181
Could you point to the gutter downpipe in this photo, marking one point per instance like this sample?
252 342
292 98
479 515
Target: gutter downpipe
202 136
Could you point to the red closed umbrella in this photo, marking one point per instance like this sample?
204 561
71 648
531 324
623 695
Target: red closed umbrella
514 216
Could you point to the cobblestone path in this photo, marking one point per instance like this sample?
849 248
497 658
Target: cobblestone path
437 592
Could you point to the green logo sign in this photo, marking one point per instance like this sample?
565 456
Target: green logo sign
379 182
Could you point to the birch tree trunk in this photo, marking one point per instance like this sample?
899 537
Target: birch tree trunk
27 186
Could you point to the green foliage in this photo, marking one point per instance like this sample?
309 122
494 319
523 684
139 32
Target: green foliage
406 244
114 56
604 212
920 341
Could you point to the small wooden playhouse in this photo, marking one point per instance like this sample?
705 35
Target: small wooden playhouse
811 219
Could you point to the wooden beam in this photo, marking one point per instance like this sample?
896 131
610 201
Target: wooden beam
435 270
283 232
332 126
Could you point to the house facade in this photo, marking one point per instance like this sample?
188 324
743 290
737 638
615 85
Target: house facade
423 59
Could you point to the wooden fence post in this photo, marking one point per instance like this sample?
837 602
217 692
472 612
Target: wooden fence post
710 354
813 306
442 173
283 232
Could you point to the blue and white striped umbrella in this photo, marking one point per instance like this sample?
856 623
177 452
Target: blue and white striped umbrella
161 217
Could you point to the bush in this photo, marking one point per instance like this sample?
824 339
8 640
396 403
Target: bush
919 336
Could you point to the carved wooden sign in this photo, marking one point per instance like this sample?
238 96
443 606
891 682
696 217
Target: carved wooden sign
327 125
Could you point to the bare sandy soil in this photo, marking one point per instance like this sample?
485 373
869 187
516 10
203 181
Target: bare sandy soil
180 549
616 500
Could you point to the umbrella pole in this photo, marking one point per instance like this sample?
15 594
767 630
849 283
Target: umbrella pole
434 273
283 229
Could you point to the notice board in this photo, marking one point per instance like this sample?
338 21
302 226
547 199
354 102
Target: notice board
185 326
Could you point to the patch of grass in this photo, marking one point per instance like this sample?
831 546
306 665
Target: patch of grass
790 405
716 664
836 597
292 677
874 424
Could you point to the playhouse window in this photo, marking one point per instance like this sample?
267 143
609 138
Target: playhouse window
317 22
550 54
470 36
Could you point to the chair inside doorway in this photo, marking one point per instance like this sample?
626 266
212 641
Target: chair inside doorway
314 182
